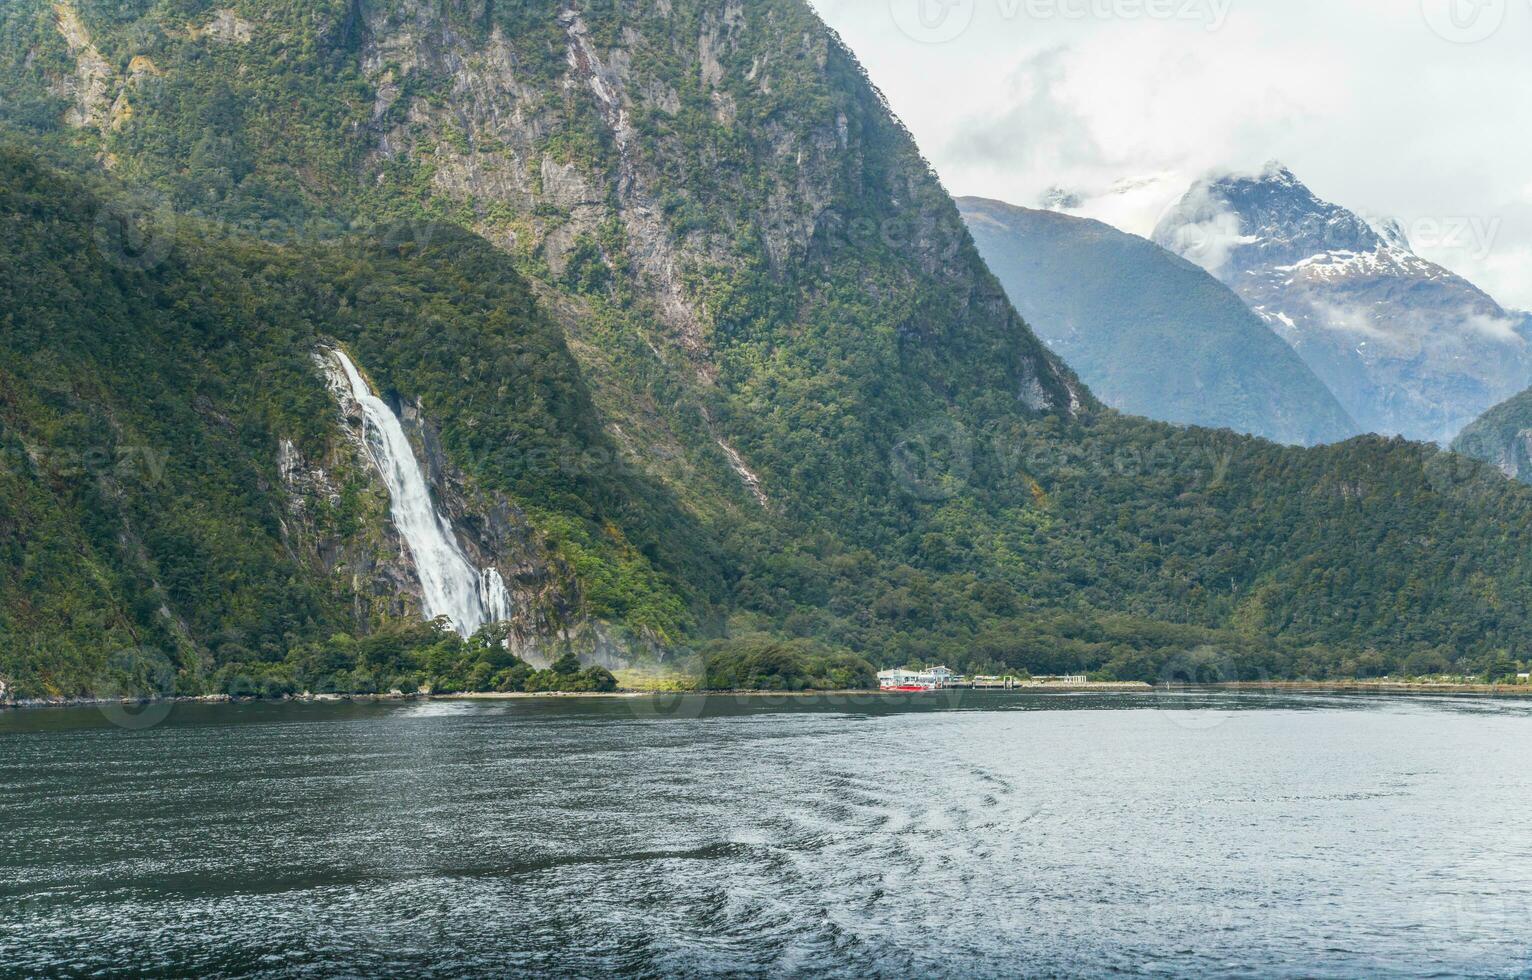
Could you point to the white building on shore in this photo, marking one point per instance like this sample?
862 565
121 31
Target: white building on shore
930 677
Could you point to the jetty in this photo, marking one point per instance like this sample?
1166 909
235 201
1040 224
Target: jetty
944 679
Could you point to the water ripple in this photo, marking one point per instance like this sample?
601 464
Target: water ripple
987 836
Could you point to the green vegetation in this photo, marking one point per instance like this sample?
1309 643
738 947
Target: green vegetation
141 410
409 659
766 664
938 487
1501 438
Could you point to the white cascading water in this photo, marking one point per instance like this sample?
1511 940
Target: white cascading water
450 584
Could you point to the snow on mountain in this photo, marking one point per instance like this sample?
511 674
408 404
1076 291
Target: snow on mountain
1407 346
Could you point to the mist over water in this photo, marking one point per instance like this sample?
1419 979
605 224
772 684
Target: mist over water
982 835
450 584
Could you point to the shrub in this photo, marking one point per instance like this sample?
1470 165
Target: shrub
770 664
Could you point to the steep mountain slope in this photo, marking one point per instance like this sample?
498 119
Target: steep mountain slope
1151 333
178 478
714 338
1502 437
1407 346
683 178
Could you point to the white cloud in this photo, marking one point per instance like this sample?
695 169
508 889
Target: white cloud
1362 322
1362 99
1505 273
1495 328
1403 336
1208 231
1134 204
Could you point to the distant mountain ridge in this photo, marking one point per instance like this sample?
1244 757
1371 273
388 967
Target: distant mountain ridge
1502 437
1407 346
1151 333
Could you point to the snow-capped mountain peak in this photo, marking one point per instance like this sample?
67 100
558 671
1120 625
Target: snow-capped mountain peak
1392 233
1406 345
1261 219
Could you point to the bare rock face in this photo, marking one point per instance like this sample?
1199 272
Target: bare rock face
366 552
688 186
227 27
492 145
1502 437
93 81
102 100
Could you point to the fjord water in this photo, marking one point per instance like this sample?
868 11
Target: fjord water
965 835
450 585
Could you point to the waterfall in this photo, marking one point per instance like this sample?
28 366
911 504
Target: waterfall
450 585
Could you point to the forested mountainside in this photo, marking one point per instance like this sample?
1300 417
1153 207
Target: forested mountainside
178 477
1151 333
1502 437
1407 346
691 340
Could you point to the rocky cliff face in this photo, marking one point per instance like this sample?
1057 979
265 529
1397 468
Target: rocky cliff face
710 199
1502 437
492 146
719 343
1407 346
654 163
375 563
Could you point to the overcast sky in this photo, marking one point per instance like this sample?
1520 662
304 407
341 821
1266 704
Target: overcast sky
1416 109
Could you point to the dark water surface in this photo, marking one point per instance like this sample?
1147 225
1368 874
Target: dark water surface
1240 835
